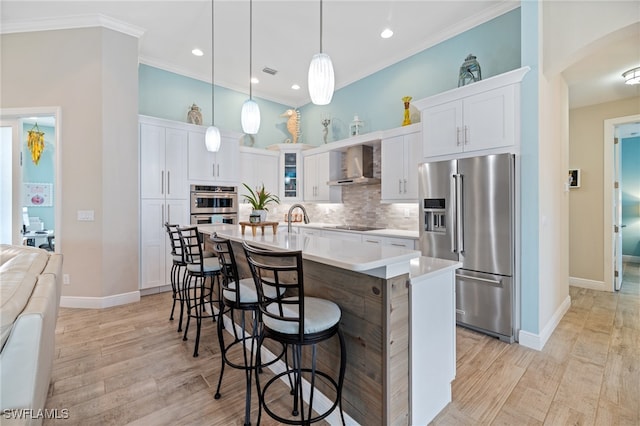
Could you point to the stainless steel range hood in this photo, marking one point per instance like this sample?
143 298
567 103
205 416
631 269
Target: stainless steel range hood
359 163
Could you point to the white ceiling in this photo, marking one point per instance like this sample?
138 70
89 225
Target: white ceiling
286 35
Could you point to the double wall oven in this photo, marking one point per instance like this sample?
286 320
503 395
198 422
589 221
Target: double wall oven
214 204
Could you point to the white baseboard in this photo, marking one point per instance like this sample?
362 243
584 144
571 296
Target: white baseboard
99 302
631 259
155 290
537 341
590 284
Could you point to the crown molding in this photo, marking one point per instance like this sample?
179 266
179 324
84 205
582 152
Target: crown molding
72 22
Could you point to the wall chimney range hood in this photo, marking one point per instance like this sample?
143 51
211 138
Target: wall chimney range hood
359 164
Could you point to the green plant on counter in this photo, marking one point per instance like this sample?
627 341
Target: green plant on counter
260 198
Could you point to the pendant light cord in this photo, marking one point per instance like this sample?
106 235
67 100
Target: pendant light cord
320 26
213 107
250 47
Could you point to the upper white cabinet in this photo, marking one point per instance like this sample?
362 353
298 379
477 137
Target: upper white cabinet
318 170
291 174
221 166
163 162
483 116
400 156
482 121
258 167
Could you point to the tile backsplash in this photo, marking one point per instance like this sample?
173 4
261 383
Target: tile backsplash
360 206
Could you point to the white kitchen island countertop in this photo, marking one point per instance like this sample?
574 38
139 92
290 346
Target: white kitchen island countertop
376 260
423 267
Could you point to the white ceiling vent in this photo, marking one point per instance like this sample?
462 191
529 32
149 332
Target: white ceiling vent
269 70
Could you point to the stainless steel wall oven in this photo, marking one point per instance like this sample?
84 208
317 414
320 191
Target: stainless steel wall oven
214 204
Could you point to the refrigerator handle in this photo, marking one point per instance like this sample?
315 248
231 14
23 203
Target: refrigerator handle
454 199
459 214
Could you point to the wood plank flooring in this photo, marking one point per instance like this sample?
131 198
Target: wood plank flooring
128 365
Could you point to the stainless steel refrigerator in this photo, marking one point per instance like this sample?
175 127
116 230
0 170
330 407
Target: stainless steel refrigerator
467 215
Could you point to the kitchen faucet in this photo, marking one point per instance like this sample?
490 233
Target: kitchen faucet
304 213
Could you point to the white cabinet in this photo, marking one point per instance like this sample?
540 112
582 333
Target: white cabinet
480 118
155 259
291 171
408 243
163 162
318 170
164 194
343 236
475 123
400 156
258 167
221 166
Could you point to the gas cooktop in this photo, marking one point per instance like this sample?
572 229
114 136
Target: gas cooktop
355 227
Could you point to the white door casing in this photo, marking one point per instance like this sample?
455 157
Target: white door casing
609 197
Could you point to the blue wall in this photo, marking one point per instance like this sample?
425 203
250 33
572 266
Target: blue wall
377 99
167 95
630 185
529 166
42 173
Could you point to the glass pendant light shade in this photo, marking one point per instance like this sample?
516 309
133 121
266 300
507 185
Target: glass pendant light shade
212 139
250 117
321 79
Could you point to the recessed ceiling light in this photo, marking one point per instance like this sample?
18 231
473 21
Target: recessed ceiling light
197 52
295 87
255 80
386 33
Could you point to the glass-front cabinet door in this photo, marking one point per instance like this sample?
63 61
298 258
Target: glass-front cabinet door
290 171
290 176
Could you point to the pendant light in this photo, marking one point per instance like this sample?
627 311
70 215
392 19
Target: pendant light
321 79
212 137
250 115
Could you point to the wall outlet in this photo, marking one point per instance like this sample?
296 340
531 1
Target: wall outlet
65 279
407 213
85 215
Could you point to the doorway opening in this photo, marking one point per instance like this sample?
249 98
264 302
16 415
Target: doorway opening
614 199
30 204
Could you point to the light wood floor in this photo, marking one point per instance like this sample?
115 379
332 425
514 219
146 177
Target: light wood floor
128 365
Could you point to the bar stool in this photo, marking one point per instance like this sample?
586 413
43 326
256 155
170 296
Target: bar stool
196 292
297 321
178 269
242 298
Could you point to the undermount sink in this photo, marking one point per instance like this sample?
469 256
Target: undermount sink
355 227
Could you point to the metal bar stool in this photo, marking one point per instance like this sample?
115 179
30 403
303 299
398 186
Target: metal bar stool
196 291
297 321
238 295
178 269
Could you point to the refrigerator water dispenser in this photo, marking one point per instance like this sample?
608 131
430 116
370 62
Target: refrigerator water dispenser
434 215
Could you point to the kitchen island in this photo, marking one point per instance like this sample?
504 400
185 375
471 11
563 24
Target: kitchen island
381 290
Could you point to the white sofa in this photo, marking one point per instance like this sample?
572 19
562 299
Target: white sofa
30 286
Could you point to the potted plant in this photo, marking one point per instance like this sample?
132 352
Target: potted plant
259 199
